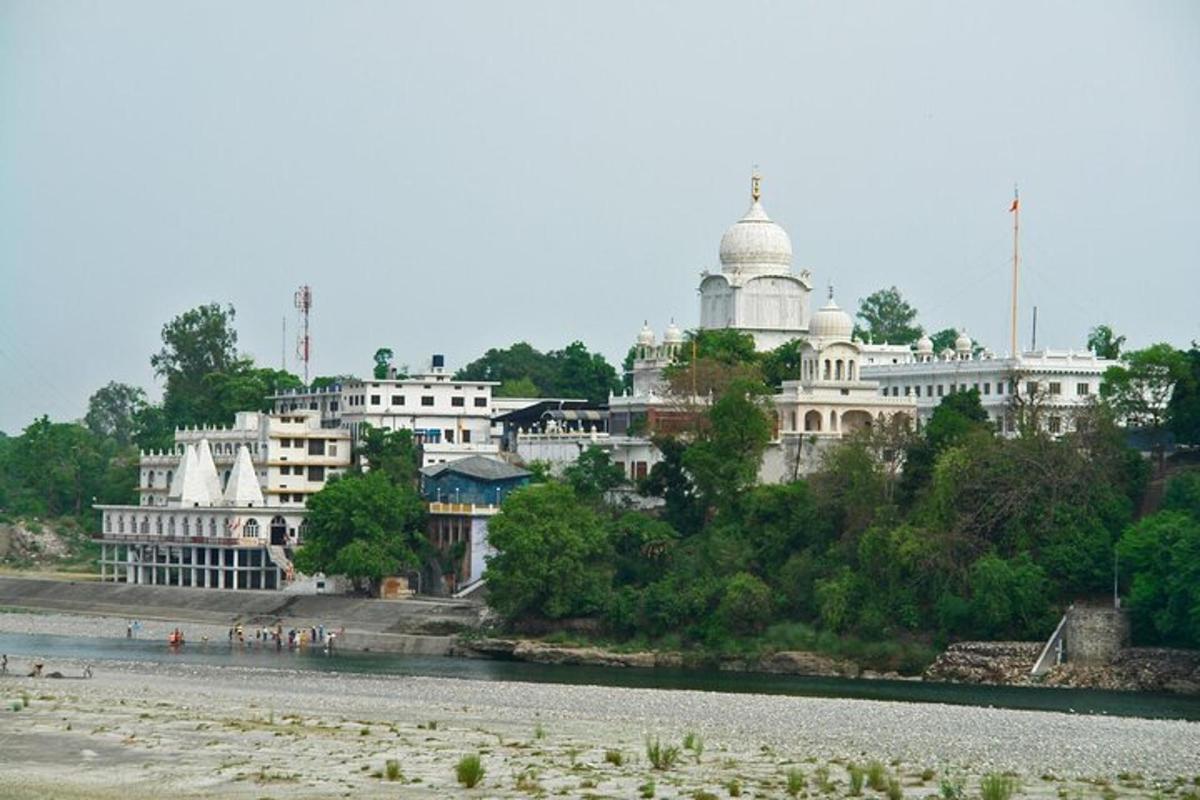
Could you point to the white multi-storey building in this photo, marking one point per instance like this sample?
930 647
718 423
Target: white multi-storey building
449 418
292 454
201 535
1056 384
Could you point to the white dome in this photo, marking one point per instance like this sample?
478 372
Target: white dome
831 322
963 343
756 244
645 335
673 334
925 345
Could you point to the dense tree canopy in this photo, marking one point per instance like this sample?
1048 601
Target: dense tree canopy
364 527
113 412
887 317
522 370
1104 343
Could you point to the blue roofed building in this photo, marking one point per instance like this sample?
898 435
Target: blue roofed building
462 496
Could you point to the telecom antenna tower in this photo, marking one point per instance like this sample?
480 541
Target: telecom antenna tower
303 341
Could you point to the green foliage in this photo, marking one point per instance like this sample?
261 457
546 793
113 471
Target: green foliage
887 317
552 555
724 460
394 453
856 779
113 412
661 756
1104 343
383 360
1161 554
746 605
364 527
944 339
996 786
1009 599
1183 493
876 776
594 475
894 790
782 363
1140 388
469 770
525 371
1183 410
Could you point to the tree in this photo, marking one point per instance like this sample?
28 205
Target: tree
944 339
196 343
1183 409
113 412
1139 389
746 605
524 371
782 363
383 361
724 460
669 480
393 453
1104 343
364 527
594 475
553 557
887 318
1161 556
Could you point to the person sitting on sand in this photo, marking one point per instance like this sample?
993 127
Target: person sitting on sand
36 672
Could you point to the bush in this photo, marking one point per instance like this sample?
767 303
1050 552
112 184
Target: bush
661 756
995 786
469 771
746 605
876 776
391 770
614 757
795 782
856 779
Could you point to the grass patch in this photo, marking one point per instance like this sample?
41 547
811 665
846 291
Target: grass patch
856 779
469 770
661 756
876 776
794 782
391 770
694 742
995 786
614 757
734 787
647 789
894 792
951 788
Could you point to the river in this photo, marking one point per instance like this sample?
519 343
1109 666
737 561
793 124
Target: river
21 647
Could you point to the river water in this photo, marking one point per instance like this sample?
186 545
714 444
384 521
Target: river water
22 647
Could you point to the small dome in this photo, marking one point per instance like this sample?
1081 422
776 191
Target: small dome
831 322
673 334
963 343
645 335
925 345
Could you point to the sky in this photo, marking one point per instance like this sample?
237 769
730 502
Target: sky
449 177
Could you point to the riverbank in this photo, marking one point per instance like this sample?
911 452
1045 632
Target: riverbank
141 730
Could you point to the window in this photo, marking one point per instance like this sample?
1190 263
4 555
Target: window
333 406
449 434
929 390
917 390
297 498
457 402
895 391
374 399
481 402
426 399
316 447
941 388
999 387
332 449
907 391
466 437
1082 389
397 399
316 473
250 529
1055 424
171 526
1055 387
987 388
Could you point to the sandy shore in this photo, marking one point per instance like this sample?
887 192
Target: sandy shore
179 730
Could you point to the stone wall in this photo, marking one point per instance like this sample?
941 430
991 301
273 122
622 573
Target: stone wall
1094 635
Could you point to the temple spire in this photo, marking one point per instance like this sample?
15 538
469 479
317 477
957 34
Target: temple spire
755 185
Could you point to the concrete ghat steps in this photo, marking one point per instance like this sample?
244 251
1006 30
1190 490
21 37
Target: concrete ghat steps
367 619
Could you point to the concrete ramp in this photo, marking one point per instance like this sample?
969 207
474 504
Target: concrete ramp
430 617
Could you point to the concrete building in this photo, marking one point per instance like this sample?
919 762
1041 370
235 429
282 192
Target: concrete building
450 419
461 497
1051 386
201 535
292 454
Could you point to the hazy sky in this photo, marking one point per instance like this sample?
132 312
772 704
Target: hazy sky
454 176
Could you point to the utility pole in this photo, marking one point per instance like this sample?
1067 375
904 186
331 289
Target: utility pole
303 302
1015 210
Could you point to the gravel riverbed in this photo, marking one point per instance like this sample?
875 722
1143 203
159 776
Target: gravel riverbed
151 730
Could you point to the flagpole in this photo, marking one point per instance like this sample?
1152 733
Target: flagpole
1016 212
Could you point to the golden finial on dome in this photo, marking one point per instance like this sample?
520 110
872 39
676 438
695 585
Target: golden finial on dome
755 184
